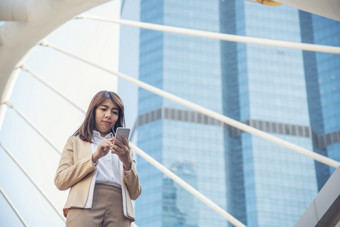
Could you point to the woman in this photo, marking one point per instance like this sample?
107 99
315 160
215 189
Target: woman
102 183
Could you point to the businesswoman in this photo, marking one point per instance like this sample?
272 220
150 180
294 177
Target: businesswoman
99 170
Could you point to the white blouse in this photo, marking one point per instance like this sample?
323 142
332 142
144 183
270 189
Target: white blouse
109 168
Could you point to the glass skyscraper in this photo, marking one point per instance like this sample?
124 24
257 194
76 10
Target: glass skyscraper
322 72
289 93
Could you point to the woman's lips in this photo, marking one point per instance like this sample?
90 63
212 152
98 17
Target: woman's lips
106 122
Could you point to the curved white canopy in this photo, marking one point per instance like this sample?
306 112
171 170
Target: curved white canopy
325 8
29 22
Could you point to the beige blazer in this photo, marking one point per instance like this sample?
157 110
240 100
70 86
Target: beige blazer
76 171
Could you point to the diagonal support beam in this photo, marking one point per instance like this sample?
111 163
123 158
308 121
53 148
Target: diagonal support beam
207 112
25 68
32 181
33 126
220 36
187 187
152 161
13 207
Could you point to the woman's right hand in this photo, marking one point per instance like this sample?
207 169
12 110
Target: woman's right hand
102 150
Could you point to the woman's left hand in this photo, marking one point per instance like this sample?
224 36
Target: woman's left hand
122 149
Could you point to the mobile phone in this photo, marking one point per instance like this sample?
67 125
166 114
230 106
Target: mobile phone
124 131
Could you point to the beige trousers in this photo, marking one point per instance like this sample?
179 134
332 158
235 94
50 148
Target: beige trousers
107 210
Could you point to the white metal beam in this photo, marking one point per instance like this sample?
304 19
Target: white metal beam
220 36
187 187
207 112
149 159
33 126
32 181
18 38
51 87
12 206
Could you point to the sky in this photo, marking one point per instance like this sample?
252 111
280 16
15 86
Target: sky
55 118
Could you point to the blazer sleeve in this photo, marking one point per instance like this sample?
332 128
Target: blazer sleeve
71 171
131 181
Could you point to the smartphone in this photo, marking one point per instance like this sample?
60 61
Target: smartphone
124 131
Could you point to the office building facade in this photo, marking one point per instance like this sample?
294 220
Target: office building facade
269 88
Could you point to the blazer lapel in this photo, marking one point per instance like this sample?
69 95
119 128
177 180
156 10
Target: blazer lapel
85 148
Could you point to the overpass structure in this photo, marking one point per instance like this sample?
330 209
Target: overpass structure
27 22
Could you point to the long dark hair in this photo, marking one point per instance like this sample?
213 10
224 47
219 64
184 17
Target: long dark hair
85 131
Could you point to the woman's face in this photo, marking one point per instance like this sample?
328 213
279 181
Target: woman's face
107 114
